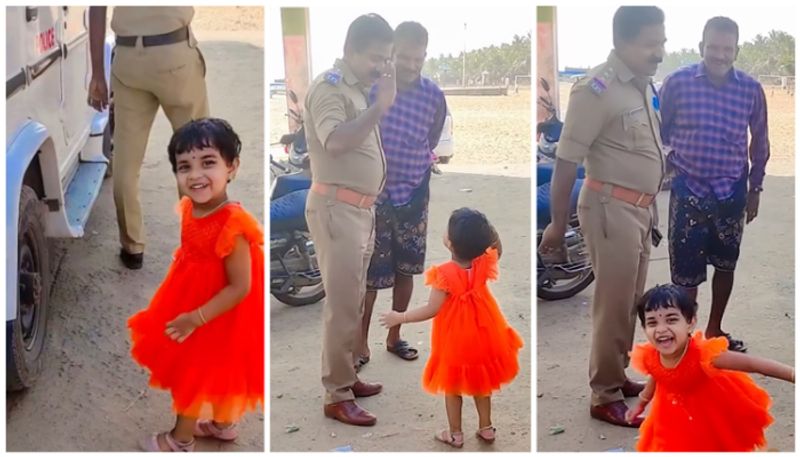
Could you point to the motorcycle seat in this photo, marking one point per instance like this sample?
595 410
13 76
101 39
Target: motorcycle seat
288 212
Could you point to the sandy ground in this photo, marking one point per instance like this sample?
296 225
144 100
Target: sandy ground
92 396
407 416
761 312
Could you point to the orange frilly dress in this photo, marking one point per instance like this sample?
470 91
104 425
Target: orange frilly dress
698 407
218 372
473 349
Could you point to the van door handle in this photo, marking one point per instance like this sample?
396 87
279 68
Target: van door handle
31 13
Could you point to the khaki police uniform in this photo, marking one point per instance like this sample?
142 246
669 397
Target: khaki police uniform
343 233
142 79
612 126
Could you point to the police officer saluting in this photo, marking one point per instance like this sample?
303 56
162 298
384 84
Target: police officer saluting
612 126
349 172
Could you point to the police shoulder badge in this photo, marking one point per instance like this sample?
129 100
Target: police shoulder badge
599 83
333 76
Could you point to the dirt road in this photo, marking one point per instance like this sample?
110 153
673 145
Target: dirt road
407 416
92 396
761 312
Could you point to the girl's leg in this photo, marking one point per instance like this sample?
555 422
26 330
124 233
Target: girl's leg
454 436
484 407
452 404
184 429
485 429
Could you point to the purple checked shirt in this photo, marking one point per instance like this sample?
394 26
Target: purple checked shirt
409 132
706 128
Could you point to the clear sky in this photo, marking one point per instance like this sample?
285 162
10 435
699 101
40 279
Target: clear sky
485 26
585 37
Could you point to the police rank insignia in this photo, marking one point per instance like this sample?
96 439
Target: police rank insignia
599 83
333 76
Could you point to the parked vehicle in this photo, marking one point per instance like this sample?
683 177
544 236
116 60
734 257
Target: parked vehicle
57 154
558 280
295 278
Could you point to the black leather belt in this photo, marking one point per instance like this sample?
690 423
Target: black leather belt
182 34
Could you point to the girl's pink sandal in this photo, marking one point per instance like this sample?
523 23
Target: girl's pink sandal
208 429
150 443
486 434
454 439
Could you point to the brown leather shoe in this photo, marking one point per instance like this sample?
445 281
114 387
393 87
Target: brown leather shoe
614 413
632 388
350 413
366 389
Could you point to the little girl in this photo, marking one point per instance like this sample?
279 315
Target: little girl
701 400
473 349
202 337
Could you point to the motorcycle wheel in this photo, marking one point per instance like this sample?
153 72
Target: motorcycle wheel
303 296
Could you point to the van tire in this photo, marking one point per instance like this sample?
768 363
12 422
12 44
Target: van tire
26 334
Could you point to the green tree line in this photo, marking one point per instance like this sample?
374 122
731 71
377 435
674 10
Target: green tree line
490 65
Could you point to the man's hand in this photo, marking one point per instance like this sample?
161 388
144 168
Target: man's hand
753 199
552 243
387 88
182 326
98 93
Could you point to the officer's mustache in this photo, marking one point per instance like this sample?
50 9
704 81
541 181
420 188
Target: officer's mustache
655 60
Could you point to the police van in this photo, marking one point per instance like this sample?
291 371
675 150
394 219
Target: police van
58 151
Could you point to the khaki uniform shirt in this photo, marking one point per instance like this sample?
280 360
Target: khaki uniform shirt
334 98
612 125
150 20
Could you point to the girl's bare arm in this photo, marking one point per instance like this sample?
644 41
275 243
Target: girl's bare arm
730 360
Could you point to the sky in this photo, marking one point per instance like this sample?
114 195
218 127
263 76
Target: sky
485 26
683 23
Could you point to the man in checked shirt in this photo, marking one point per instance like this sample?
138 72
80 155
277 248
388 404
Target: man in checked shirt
706 111
409 132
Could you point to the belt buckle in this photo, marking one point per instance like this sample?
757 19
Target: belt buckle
361 201
639 200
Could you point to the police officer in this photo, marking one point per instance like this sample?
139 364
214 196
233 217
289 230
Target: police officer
349 172
612 126
156 63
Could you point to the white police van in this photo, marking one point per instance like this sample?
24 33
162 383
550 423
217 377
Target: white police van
57 153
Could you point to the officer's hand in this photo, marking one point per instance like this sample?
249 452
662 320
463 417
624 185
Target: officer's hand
552 244
387 87
98 94
753 199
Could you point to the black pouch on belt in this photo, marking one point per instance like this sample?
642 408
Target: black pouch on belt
656 235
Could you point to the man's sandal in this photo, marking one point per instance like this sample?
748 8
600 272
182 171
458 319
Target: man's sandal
208 429
150 443
454 439
486 434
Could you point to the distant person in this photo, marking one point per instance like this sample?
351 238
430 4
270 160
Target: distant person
156 63
707 109
202 336
473 349
702 400
409 133
612 127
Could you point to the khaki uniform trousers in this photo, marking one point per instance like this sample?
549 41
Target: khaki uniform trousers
618 237
344 238
142 79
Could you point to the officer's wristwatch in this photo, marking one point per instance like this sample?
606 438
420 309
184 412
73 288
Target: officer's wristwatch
756 189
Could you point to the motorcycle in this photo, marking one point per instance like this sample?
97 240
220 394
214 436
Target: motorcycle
558 280
295 277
